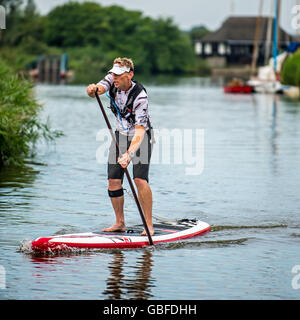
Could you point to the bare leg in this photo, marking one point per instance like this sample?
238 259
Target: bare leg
118 206
145 198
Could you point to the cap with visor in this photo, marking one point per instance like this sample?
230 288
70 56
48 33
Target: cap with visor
117 69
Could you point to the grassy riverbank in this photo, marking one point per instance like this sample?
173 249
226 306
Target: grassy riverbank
20 126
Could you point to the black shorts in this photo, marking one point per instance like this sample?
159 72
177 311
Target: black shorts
141 160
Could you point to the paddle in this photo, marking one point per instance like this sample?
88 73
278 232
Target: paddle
125 169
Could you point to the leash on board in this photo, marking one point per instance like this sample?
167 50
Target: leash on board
177 222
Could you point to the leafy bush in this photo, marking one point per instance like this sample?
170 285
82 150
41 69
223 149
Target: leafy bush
20 126
290 74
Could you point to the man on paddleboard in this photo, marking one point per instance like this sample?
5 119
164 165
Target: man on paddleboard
129 103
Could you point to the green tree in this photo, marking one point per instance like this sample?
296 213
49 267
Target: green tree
11 6
74 24
170 50
22 23
198 32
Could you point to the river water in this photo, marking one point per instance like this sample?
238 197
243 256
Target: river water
244 180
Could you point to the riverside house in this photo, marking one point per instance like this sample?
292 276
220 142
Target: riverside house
233 43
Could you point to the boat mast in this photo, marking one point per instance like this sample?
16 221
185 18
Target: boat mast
269 34
256 40
275 29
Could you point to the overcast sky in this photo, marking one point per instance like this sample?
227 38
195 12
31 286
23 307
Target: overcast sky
189 13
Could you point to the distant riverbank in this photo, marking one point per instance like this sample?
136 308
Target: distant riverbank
156 45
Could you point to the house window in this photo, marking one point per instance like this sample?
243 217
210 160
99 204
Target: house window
221 49
208 48
198 47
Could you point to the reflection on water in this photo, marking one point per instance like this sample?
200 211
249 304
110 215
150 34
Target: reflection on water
17 177
274 134
15 189
127 278
138 286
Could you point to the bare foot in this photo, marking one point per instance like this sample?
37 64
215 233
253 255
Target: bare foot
115 228
151 231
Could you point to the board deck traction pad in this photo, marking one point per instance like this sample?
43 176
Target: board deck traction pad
179 230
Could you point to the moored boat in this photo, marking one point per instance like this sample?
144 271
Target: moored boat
237 86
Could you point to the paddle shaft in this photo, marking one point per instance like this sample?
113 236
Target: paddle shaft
125 170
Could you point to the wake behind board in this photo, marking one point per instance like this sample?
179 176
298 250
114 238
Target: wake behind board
129 239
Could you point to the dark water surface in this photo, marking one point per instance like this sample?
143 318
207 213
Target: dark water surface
248 192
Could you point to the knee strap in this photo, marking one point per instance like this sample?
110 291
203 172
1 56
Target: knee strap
116 193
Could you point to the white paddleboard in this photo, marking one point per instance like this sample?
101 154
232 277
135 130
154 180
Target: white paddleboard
118 240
